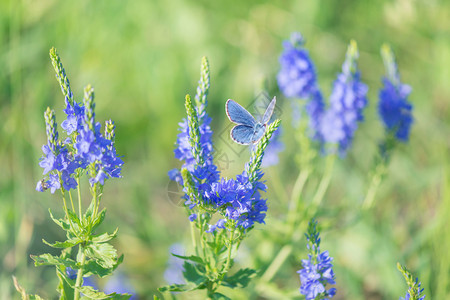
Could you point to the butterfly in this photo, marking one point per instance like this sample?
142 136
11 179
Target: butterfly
248 130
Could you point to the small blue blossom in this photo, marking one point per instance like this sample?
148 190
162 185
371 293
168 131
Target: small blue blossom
317 270
297 77
53 183
394 108
71 273
347 101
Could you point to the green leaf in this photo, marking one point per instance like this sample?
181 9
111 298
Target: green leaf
99 219
104 254
240 279
50 260
89 211
65 244
190 286
102 238
92 267
65 285
90 293
220 296
60 222
192 273
193 258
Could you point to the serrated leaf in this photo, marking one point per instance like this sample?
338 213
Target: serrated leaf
99 219
104 254
193 273
105 237
220 296
92 267
89 210
190 286
64 245
240 279
193 258
48 259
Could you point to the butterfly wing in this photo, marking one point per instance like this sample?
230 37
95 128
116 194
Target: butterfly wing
237 114
269 111
242 134
258 133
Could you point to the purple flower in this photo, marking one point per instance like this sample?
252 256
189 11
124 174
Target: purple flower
347 101
394 108
317 270
174 271
120 284
297 77
53 183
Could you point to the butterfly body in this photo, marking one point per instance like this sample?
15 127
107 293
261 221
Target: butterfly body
248 130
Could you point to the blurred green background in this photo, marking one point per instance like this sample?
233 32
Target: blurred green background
142 57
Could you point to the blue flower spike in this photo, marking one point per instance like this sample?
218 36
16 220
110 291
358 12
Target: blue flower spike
347 102
317 270
415 291
394 109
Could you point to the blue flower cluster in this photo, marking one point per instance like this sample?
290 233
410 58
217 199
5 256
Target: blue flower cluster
203 174
347 101
317 270
237 200
297 77
84 150
393 108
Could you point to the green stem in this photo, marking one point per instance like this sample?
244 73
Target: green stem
296 193
325 181
79 196
230 247
277 263
194 241
80 273
374 184
71 201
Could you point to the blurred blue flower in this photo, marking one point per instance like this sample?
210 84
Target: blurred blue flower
297 77
394 109
273 149
174 271
120 284
347 101
317 270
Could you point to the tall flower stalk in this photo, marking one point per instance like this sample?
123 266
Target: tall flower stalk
84 152
222 211
395 112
